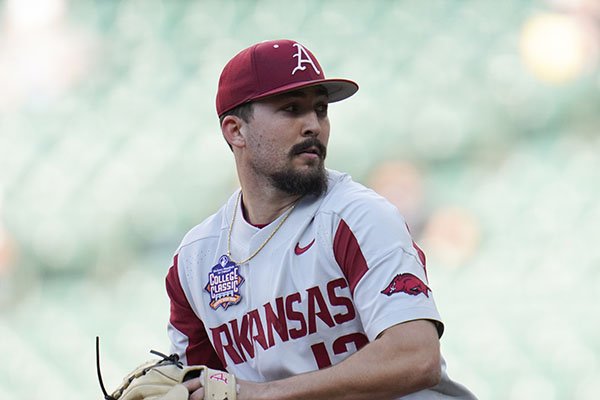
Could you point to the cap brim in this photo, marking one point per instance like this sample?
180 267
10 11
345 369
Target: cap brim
337 89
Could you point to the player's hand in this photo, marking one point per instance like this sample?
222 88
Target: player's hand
245 389
194 386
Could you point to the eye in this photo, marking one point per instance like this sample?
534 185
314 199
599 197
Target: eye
291 108
321 109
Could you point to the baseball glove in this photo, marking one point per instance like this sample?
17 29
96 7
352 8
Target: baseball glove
161 379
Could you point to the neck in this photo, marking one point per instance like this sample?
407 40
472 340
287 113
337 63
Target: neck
262 203
263 206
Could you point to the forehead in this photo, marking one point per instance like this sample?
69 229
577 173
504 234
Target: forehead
304 93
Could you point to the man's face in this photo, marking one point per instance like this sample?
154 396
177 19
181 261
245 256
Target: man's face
287 140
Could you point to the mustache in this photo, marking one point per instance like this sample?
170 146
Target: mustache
307 144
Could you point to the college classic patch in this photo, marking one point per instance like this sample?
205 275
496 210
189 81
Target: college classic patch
224 281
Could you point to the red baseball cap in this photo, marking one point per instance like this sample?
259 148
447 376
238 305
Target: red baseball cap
274 67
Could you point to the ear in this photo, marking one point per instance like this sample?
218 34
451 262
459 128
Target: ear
231 128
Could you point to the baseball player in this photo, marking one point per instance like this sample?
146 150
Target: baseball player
305 284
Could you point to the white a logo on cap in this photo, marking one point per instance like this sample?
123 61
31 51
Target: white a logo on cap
303 58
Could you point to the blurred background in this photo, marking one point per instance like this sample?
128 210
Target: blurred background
479 119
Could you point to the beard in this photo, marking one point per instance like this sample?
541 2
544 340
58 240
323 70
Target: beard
312 182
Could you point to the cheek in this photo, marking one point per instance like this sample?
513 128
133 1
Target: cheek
275 142
325 129
266 150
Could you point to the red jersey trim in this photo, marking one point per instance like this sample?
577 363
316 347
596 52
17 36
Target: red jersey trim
199 350
348 255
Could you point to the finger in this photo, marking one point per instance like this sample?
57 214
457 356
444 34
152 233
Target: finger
197 395
193 384
177 392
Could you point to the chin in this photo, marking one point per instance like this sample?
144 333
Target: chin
305 180
312 164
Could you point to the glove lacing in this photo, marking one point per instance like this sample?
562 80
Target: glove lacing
166 360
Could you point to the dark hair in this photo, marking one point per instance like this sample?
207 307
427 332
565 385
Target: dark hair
243 111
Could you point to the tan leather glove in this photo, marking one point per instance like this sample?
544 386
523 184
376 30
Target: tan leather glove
163 382
161 379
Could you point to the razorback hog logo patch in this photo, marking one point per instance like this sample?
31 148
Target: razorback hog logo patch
406 283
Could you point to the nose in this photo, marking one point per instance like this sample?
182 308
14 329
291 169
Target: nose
312 124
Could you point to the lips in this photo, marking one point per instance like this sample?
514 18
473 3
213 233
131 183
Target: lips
311 146
311 150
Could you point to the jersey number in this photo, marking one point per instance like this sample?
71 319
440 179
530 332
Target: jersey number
340 345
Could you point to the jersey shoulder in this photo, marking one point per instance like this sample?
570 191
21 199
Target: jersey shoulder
210 228
371 217
351 200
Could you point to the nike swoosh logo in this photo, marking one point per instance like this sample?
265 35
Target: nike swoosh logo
300 250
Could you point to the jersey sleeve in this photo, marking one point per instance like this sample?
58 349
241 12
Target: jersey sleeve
384 268
186 331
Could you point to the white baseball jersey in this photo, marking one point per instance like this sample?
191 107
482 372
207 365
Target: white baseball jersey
339 271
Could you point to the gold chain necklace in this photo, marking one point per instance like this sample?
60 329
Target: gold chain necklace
237 203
